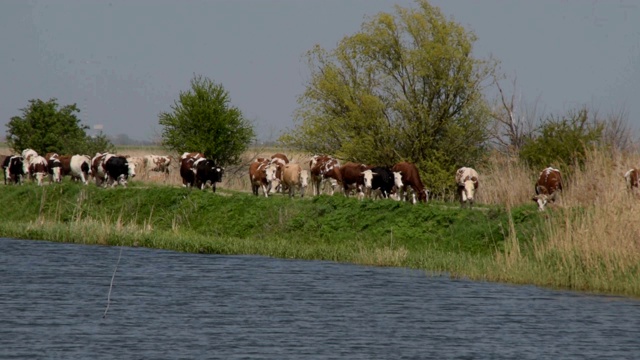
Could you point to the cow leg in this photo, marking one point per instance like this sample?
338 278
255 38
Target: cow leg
265 190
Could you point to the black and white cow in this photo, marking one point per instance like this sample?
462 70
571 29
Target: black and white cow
17 169
207 173
379 179
5 167
118 170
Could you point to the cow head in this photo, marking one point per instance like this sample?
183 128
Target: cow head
470 185
56 176
368 178
270 172
542 197
397 179
304 181
132 169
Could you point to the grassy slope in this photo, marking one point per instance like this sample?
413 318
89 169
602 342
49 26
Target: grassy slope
331 228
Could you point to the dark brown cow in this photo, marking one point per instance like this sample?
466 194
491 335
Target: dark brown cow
411 179
320 170
187 171
549 184
262 174
632 177
352 177
4 160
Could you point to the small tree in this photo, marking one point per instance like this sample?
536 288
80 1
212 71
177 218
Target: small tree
563 141
203 120
45 128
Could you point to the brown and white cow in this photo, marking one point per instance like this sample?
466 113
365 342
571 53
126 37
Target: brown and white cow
351 175
187 171
548 186
157 163
38 168
262 174
98 169
280 160
410 179
321 171
77 166
632 178
467 181
294 177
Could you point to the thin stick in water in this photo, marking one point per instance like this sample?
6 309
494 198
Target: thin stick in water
111 286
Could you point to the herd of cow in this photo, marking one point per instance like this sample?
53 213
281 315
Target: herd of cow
400 181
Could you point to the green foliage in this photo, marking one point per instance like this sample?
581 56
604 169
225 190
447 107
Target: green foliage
203 120
562 141
406 87
45 128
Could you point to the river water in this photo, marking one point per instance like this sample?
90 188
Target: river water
170 305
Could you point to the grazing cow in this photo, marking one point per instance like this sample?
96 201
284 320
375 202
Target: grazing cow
207 173
55 169
17 169
118 170
157 163
262 174
467 181
351 176
38 168
410 178
632 178
548 186
321 170
98 167
380 179
294 177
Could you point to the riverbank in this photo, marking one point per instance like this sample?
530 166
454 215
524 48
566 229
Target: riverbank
486 243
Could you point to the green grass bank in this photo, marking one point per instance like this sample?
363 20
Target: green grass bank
486 243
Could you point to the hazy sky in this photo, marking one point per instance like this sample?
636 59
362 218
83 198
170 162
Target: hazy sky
123 62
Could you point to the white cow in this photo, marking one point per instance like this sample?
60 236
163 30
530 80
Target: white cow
467 181
294 177
80 166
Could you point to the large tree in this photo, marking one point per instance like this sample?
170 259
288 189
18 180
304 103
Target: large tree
46 127
203 120
406 87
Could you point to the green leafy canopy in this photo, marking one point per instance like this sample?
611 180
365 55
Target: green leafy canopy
406 87
203 120
44 127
